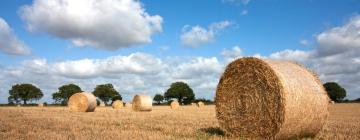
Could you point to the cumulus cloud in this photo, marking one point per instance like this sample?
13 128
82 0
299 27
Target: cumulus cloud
304 42
105 24
232 54
340 39
9 43
196 36
130 74
336 56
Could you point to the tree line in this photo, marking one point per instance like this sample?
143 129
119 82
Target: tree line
179 91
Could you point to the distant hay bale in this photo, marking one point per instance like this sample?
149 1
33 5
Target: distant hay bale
82 102
193 104
127 105
200 104
332 102
142 103
102 104
117 104
18 105
269 99
174 105
40 104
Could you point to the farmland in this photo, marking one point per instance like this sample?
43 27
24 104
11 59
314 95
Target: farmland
186 122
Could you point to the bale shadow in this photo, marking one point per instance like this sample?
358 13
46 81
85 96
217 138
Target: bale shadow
213 131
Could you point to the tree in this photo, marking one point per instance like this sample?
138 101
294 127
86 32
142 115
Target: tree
117 97
158 98
335 91
180 91
106 92
24 92
62 96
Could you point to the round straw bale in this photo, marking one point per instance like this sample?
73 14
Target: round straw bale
142 103
18 105
269 99
174 105
82 102
40 104
117 104
332 102
193 104
102 104
127 105
200 104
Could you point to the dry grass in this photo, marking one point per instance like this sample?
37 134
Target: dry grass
187 122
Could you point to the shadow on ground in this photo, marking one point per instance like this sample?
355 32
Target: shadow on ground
213 131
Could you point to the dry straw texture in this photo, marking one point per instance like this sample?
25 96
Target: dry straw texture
200 104
82 102
268 99
102 104
127 105
142 103
117 104
40 105
174 105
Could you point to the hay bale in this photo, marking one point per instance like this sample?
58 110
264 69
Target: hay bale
174 105
102 104
40 104
117 104
200 104
268 99
18 105
193 104
82 102
332 102
128 105
142 103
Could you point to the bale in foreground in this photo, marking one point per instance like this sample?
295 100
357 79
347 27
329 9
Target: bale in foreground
174 105
268 99
142 103
117 104
82 102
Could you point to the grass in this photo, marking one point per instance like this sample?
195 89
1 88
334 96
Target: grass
162 123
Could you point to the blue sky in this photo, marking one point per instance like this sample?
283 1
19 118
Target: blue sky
277 29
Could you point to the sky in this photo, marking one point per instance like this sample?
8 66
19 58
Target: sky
144 46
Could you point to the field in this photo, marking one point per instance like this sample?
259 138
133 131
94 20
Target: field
162 123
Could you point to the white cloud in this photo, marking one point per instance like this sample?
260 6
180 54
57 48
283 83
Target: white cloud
232 54
244 12
105 24
196 36
9 43
340 39
304 42
244 2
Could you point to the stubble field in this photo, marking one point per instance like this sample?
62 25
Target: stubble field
187 122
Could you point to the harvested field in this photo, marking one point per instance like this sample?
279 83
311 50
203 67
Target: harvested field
187 122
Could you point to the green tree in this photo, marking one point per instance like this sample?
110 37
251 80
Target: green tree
158 98
25 93
106 92
180 91
64 93
335 91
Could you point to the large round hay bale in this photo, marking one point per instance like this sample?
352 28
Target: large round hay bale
102 104
174 105
117 104
40 104
269 99
142 103
82 102
200 104
127 105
